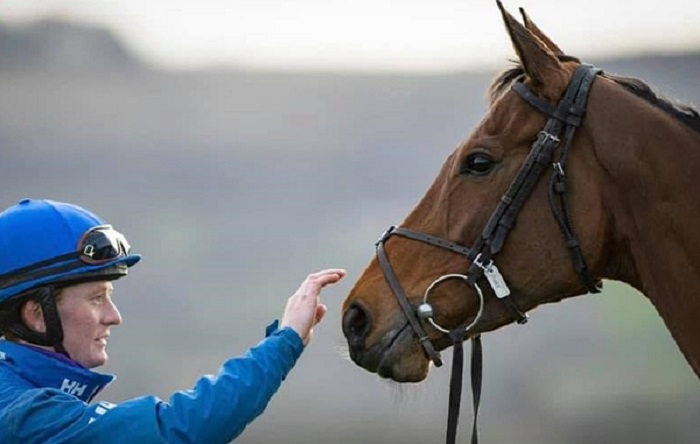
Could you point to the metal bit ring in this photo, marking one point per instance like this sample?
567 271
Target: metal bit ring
425 310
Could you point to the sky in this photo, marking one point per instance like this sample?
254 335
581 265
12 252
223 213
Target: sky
368 35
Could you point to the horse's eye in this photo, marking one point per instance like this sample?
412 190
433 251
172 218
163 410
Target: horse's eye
477 164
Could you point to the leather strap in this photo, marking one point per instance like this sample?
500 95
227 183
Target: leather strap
456 385
432 240
455 396
408 311
476 375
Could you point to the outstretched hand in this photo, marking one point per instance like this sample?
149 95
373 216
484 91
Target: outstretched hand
304 309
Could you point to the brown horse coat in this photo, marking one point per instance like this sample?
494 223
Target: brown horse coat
634 205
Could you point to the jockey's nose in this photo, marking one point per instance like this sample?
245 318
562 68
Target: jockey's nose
356 325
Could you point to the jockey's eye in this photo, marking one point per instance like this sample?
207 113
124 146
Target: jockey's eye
477 164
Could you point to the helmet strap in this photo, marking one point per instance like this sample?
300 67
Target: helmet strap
45 297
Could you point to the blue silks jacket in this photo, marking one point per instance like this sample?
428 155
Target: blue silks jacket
45 399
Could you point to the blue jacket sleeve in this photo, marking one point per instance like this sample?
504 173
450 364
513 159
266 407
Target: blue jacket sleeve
216 410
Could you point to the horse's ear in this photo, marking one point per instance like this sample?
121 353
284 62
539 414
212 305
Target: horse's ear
537 59
533 28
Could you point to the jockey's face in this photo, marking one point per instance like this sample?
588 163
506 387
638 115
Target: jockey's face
87 312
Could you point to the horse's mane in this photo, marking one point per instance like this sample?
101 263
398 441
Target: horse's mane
683 112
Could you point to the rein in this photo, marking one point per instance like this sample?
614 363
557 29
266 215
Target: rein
567 115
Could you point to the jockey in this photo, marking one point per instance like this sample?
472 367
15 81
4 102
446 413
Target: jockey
57 265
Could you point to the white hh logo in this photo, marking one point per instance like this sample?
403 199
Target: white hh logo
73 388
102 408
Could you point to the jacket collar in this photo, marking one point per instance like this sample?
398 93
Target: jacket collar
43 370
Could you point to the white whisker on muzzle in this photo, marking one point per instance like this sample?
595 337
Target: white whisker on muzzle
343 350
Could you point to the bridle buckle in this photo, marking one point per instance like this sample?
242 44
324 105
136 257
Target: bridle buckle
385 235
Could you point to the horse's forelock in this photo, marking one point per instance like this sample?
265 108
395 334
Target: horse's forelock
516 74
504 81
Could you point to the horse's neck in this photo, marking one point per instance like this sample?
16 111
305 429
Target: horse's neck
653 163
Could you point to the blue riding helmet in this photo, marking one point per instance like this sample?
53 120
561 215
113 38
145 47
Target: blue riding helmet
45 242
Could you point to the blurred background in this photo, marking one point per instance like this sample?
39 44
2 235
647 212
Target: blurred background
241 145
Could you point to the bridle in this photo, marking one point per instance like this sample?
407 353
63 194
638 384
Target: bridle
566 116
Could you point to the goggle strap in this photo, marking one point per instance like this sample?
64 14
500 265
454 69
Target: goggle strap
16 277
38 265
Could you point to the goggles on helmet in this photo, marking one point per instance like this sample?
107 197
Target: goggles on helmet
98 245
102 244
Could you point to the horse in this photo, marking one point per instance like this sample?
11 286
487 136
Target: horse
614 162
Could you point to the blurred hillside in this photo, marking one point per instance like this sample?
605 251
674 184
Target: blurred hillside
235 184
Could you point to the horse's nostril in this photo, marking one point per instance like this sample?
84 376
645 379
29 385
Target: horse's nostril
356 324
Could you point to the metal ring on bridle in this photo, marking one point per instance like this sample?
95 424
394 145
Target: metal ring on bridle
425 310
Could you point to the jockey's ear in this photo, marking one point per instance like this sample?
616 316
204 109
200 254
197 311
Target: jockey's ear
32 316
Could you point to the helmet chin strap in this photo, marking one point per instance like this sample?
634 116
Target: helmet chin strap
53 337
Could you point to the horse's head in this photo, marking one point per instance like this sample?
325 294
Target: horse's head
534 258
